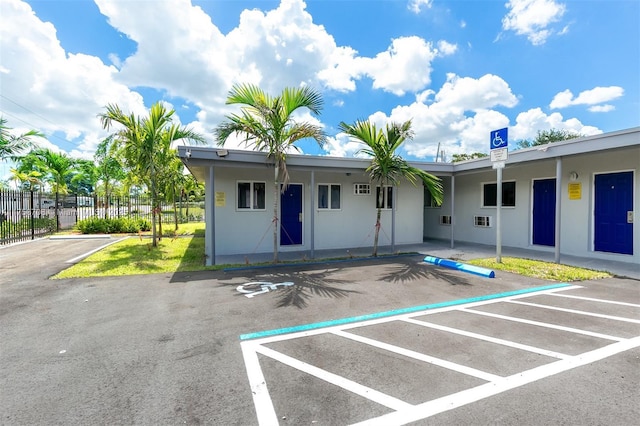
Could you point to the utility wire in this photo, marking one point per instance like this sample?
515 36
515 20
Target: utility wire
74 144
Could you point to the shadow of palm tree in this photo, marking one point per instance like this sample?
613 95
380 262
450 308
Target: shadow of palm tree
308 284
407 272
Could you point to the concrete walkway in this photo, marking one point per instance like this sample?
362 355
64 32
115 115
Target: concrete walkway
461 251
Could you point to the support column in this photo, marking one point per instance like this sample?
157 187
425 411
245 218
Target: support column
210 219
558 207
453 211
394 195
312 219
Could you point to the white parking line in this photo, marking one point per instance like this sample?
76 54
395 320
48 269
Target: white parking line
449 402
574 311
420 357
544 324
591 299
502 342
358 389
89 253
405 412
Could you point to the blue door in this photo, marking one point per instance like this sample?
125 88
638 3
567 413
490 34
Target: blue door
613 230
291 216
544 212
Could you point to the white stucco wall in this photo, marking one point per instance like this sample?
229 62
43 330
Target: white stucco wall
242 231
576 229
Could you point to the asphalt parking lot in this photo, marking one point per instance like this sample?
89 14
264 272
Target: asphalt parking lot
391 341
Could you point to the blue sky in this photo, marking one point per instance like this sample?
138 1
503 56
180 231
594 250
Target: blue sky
458 69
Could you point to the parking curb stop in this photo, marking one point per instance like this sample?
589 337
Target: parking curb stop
472 269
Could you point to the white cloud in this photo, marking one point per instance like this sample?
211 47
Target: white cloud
533 19
594 96
446 48
460 117
405 66
342 146
49 89
416 6
528 124
601 108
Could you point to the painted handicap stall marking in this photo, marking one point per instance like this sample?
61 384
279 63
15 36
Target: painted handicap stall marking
260 287
401 411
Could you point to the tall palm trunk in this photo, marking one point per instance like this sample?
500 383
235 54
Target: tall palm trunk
276 191
106 199
154 203
175 209
375 237
56 210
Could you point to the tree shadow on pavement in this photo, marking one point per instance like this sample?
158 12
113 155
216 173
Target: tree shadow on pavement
311 285
307 284
407 272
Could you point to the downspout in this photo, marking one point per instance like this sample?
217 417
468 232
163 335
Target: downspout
210 220
558 207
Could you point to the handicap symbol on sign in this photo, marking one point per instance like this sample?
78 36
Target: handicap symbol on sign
499 138
260 287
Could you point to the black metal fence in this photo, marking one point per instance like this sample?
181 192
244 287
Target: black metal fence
25 215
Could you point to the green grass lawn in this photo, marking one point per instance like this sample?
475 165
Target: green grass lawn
538 269
184 251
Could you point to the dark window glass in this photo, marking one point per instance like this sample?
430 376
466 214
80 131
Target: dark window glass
335 196
323 196
244 195
490 194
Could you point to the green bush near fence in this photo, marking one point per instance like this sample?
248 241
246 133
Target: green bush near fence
9 228
120 225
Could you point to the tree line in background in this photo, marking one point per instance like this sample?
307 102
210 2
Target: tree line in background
139 156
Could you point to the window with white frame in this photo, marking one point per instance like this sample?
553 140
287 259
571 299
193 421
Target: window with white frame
251 195
384 197
490 194
329 196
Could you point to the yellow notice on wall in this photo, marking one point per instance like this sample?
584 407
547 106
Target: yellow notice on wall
221 199
575 191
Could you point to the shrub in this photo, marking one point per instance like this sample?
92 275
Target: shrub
126 225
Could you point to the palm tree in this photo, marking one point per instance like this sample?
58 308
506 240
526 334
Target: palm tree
10 145
55 168
108 168
144 143
267 124
387 167
29 180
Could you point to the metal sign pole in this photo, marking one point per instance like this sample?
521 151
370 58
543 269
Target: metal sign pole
498 209
499 142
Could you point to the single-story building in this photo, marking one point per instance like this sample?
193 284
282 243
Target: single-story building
576 197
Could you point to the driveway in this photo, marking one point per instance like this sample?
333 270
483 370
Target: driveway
167 349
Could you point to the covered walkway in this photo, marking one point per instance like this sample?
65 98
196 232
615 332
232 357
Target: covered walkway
461 252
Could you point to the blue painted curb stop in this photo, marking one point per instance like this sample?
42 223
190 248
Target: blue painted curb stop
477 270
413 309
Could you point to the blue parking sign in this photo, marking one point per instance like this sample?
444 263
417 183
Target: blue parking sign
499 138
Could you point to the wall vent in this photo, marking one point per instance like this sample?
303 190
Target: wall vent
361 189
483 221
445 219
